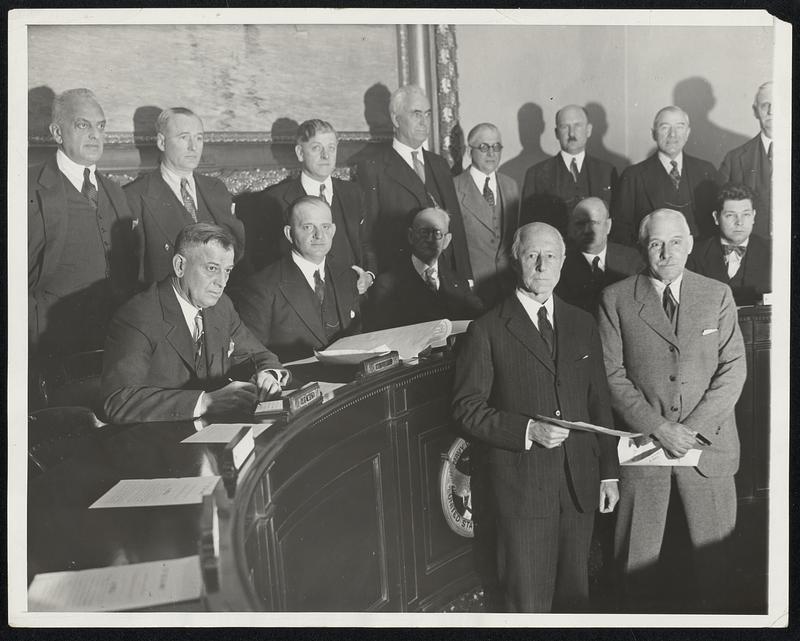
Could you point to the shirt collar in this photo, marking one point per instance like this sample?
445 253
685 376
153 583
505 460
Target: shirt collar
666 161
405 152
74 171
311 185
590 257
308 268
189 310
674 286
724 241
532 307
766 142
421 267
173 181
567 158
479 178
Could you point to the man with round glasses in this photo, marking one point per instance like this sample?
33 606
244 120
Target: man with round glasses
554 186
422 286
489 204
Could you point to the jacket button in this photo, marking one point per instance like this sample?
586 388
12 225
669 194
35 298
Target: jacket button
672 377
674 408
558 413
166 247
671 348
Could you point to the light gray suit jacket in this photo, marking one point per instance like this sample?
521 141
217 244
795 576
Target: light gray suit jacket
693 377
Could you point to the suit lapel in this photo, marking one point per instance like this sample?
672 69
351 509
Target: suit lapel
115 196
566 335
651 311
338 276
399 171
692 298
178 333
652 180
472 201
54 210
521 327
295 290
215 207
351 215
214 340
167 212
294 190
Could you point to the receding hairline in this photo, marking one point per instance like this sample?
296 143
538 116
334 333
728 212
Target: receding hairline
670 109
579 107
761 89
401 95
532 228
313 201
435 210
479 128
661 213
166 115
590 203
67 99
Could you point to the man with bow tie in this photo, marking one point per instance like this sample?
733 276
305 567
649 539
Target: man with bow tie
736 256
676 365
178 350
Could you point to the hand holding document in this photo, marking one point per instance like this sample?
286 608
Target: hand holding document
584 427
407 341
157 492
119 587
651 453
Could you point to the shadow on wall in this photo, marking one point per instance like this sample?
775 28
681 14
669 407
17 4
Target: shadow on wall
595 145
283 132
379 123
707 140
144 126
40 108
530 124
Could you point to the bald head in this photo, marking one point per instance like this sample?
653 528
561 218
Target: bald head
573 128
589 225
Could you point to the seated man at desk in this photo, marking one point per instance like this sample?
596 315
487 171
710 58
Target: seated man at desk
735 255
423 287
306 300
172 350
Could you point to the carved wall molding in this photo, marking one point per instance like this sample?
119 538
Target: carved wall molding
450 133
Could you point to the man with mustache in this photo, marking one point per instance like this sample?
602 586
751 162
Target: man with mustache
175 195
178 350
554 186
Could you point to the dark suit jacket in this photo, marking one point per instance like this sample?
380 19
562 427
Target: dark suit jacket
47 231
264 217
400 297
576 286
640 192
549 185
161 219
745 165
275 304
148 365
505 376
392 190
755 271
692 376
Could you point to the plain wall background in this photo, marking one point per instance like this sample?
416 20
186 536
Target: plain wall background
518 76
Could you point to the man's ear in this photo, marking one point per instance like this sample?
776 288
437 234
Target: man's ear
160 141
654 135
55 132
589 130
287 231
716 218
446 240
179 265
298 151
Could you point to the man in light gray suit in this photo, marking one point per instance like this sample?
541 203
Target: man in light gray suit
675 361
489 204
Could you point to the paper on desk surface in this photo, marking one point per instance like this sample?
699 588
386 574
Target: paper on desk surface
585 427
408 341
155 492
651 453
119 587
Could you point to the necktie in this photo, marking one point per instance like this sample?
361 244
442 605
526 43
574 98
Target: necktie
418 166
319 288
546 331
596 266
186 197
322 192
431 279
488 194
674 174
573 169
670 304
198 337
769 152
88 189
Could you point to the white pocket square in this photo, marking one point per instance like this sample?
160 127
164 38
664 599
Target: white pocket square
583 357
711 330
352 314
231 346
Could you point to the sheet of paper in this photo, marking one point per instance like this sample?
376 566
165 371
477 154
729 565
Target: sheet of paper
119 587
585 427
267 407
350 356
408 341
652 454
458 327
216 433
155 492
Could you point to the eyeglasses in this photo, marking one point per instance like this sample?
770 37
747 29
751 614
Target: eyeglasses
430 232
484 147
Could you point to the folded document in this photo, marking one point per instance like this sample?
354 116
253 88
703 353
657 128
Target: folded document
651 453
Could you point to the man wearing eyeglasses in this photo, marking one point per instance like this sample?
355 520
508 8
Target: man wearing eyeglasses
554 186
405 176
490 209
669 179
422 286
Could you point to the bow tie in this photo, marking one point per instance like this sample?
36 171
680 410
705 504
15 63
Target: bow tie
729 249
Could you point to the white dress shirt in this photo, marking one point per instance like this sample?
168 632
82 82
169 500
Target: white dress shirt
531 307
567 158
308 268
405 152
479 178
173 181
73 171
590 258
311 186
674 286
423 267
666 162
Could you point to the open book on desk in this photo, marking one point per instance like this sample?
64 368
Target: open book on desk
407 341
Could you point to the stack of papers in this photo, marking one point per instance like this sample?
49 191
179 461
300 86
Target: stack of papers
157 492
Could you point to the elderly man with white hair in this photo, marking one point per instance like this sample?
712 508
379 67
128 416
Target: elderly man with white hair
669 178
405 176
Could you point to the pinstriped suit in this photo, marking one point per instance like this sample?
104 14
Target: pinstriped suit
504 376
